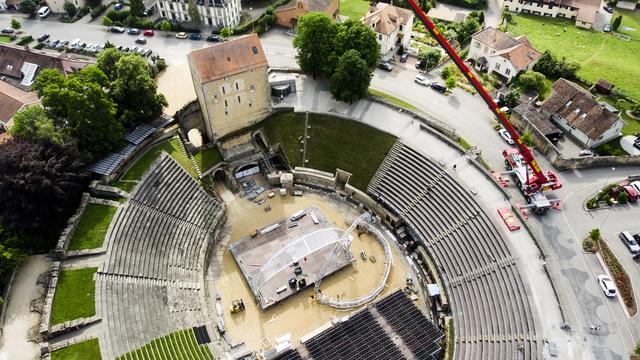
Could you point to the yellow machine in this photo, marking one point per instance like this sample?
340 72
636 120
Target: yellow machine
237 306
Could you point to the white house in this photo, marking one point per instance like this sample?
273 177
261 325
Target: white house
501 53
218 13
57 6
392 25
576 111
582 11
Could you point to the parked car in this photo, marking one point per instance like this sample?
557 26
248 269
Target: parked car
404 57
195 36
141 41
386 66
117 29
607 285
499 102
586 152
147 53
133 31
181 35
636 143
506 136
42 37
636 186
213 38
44 12
62 44
54 43
148 33
438 87
8 31
632 194
607 28
421 80
629 242
118 6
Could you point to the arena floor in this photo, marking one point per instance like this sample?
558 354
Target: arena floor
300 314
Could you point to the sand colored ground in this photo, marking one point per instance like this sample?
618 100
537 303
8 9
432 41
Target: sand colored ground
299 314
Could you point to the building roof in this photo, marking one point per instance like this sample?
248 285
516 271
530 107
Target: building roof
586 13
580 109
228 58
604 84
13 58
517 50
532 115
13 99
386 18
446 13
311 5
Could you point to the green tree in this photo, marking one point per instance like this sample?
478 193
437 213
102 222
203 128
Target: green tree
82 109
314 43
429 58
527 139
353 35
351 78
164 25
106 21
27 7
467 28
623 198
507 18
635 109
225 32
532 80
616 23
135 92
512 97
554 68
70 9
136 7
194 14
450 82
15 24
449 71
32 123
594 234
107 61
481 17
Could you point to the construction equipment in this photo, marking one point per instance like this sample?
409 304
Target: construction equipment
521 165
237 306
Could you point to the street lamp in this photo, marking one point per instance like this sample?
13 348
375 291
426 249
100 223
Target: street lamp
251 15
613 169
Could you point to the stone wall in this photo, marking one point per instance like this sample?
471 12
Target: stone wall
48 301
60 250
105 191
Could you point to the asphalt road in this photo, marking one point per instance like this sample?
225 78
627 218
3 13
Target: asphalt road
563 231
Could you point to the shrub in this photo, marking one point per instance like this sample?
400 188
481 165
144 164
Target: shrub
97 11
39 46
106 21
592 203
589 245
610 201
25 40
635 109
84 11
118 15
623 198
594 234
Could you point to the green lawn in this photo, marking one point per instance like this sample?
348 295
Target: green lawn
392 99
92 227
334 143
354 9
86 350
179 344
5 39
75 296
207 158
601 55
171 146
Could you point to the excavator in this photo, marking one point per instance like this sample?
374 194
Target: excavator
520 163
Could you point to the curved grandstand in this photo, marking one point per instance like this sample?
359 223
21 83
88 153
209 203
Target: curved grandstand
490 304
152 281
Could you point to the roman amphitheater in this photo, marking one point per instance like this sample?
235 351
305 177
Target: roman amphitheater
237 252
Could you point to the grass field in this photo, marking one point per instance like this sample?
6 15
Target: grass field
177 345
75 296
601 55
354 9
207 158
86 350
392 99
5 39
171 146
92 228
334 143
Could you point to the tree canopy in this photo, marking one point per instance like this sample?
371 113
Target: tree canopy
354 35
429 58
314 42
32 123
351 78
549 65
532 80
27 7
136 7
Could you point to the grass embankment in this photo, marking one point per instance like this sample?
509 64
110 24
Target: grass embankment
172 146
354 9
86 350
5 39
207 158
92 227
177 345
392 99
631 125
601 55
75 295
333 143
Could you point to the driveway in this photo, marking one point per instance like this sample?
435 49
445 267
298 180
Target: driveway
627 144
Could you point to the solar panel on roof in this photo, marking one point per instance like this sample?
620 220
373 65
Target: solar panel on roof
28 71
106 165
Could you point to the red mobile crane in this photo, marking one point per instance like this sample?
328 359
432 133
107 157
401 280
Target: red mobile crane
530 179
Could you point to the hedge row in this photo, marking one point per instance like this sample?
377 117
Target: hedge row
25 40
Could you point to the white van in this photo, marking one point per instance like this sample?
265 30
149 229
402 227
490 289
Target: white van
44 12
421 80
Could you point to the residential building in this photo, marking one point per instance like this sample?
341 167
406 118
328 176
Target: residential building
57 6
12 100
576 111
287 15
501 53
447 13
216 13
392 25
582 11
231 83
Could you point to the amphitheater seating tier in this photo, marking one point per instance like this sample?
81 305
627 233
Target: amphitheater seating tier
151 282
490 305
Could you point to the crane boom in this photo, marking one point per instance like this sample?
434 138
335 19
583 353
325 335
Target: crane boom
542 178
